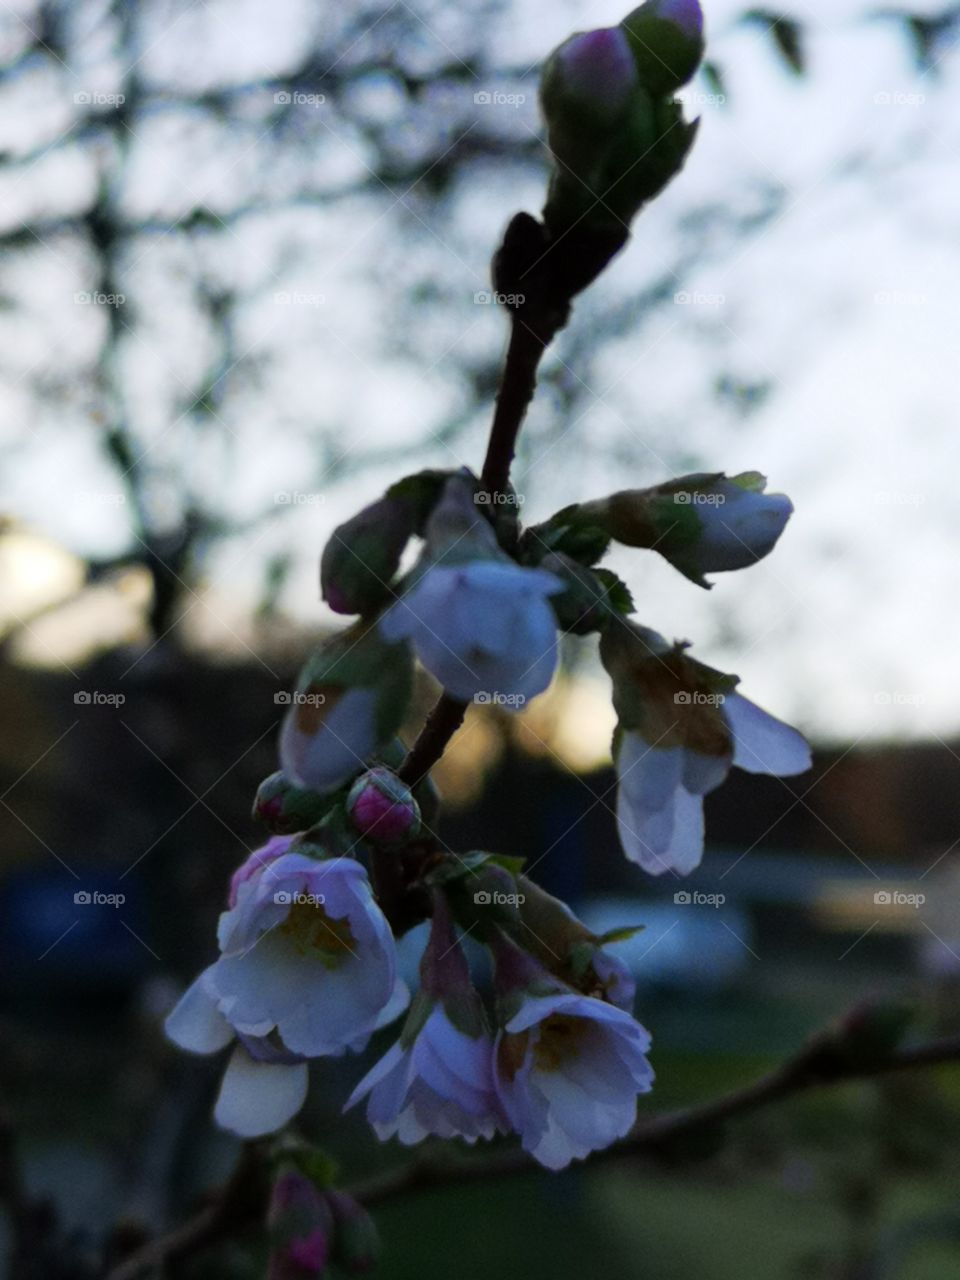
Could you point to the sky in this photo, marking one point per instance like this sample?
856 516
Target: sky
807 253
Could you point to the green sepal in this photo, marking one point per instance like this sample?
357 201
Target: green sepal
360 658
618 596
422 490
285 809
421 1006
621 934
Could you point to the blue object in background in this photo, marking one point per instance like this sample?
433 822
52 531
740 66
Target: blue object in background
56 929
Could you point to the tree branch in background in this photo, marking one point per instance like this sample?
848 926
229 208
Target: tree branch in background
834 1056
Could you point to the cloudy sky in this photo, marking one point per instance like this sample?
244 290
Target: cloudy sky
809 272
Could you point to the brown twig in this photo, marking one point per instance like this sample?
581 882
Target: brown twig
820 1064
531 332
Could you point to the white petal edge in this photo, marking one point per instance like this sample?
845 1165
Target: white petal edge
761 742
257 1098
195 1023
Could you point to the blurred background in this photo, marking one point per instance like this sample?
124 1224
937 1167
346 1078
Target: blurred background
244 286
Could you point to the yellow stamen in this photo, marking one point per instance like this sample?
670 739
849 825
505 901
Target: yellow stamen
310 929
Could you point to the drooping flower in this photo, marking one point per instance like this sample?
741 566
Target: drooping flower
438 1078
485 627
681 728
549 930
478 622
568 1068
307 969
700 523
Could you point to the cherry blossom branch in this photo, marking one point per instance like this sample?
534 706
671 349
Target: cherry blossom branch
239 1205
824 1061
532 329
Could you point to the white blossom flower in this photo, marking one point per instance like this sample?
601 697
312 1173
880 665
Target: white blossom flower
440 1084
661 788
481 627
737 530
568 1069
307 969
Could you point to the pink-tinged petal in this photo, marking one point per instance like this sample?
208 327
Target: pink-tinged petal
577 1093
195 1024
762 743
257 1098
257 861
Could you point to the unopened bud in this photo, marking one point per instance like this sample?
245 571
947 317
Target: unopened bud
285 809
362 556
351 699
593 75
700 523
382 808
356 1242
666 39
301 1223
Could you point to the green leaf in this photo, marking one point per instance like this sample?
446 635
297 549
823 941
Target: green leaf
618 593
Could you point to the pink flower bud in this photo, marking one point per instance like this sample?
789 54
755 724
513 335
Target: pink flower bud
382 808
592 71
356 1244
301 1218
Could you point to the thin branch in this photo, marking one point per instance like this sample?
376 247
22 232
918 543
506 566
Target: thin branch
826 1060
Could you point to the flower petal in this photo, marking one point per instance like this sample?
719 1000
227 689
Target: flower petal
195 1023
762 743
257 1098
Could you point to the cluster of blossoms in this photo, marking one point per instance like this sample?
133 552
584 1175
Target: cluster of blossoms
548 1049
